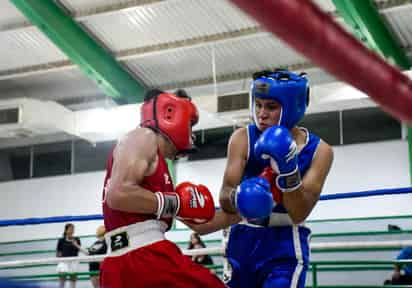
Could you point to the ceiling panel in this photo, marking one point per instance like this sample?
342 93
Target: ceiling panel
50 86
165 22
400 22
9 16
26 47
234 56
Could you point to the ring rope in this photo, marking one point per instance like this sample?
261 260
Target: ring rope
214 250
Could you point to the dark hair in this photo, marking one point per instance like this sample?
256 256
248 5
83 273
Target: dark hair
197 236
66 227
182 93
150 94
392 227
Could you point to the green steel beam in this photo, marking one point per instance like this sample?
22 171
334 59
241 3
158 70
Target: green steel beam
97 63
369 26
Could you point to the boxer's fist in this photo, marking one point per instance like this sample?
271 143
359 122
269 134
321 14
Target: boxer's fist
278 144
190 202
253 198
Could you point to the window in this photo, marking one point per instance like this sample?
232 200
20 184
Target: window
369 125
14 164
325 125
213 144
52 159
90 157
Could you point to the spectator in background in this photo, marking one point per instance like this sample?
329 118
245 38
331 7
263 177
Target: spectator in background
402 274
197 243
98 248
68 246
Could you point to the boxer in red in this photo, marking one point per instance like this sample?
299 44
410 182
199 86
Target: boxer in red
140 202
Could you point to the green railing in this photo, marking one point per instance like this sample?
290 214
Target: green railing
315 268
344 266
308 222
218 241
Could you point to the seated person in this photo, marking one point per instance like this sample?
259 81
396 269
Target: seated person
202 259
402 274
197 243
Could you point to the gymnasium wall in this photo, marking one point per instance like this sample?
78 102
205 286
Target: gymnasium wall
356 167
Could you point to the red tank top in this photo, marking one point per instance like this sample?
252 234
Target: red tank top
160 180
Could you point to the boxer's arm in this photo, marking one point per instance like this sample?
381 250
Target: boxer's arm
76 243
300 202
133 159
220 221
235 165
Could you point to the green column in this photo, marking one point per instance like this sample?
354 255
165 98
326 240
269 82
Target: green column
97 63
370 28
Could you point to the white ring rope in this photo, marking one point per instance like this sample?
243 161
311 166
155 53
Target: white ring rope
216 250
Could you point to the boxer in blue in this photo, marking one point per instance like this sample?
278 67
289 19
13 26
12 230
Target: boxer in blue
273 178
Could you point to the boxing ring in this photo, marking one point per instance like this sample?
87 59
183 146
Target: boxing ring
318 267
332 48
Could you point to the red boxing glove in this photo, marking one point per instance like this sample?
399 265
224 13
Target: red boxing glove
270 175
190 202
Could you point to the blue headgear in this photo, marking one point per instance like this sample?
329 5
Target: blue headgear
289 89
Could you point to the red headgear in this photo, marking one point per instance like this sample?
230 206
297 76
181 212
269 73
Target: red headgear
173 116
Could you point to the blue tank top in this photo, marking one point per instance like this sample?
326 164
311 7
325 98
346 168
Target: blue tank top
255 166
279 247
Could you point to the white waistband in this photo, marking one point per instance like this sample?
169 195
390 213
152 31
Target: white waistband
136 236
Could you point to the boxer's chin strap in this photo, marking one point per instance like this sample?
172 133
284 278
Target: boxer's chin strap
168 204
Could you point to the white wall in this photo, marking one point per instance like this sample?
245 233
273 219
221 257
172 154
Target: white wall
356 168
68 195
361 167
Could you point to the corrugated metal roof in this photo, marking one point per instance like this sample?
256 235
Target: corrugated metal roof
166 22
26 47
400 22
50 86
10 16
164 43
82 7
231 57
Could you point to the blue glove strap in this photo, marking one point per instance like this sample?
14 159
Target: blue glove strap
288 182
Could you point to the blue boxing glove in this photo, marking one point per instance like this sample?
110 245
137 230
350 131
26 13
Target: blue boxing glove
253 198
278 144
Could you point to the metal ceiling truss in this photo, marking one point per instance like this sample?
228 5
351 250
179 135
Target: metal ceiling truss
95 61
